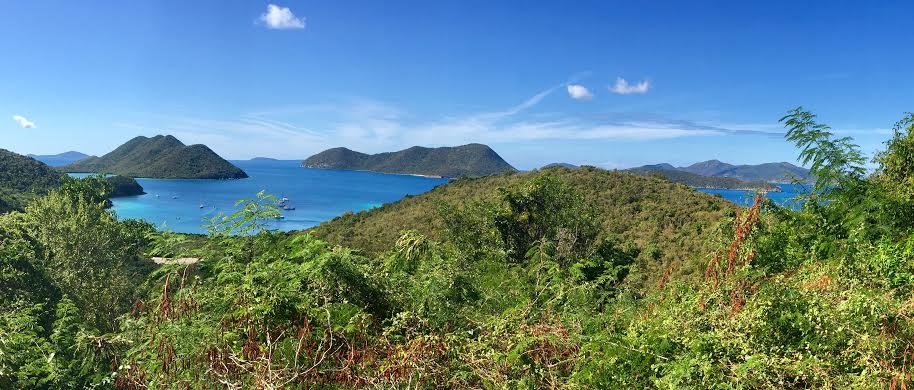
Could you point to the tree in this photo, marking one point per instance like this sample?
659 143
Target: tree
85 250
834 162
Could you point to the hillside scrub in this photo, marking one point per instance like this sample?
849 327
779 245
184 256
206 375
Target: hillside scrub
526 286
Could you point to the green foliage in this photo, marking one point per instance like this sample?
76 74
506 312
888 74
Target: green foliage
85 249
459 161
68 270
533 280
646 211
897 161
834 162
545 210
22 179
124 186
24 354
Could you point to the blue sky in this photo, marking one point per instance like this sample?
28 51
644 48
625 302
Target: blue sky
703 80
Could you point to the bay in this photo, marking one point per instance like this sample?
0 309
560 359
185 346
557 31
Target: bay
787 197
317 195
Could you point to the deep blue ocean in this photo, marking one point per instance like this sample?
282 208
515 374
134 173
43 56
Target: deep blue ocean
316 194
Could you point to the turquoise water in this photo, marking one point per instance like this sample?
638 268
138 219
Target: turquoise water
316 194
744 198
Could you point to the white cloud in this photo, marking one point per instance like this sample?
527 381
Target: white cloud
579 92
281 18
371 126
25 123
623 88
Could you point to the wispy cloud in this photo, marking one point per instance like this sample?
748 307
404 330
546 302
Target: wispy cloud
373 126
281 18
622 87
25 123
579 92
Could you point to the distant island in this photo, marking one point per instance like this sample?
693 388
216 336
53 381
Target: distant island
472 160
263 159
563 165
782 172
699 181
61 159
160 157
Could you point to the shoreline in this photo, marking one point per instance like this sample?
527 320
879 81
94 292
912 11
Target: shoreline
385 173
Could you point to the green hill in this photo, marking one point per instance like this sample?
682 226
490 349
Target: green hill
124 186
782 172
665 219
458 161
22 178
161 157
699 181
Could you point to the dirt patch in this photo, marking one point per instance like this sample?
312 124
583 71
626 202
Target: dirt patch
180 260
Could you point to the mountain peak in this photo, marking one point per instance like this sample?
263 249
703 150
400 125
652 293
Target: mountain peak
453 161
776 172
162 156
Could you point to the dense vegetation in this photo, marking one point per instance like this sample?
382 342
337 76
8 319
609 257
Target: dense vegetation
667 220
782 172
124 186
699 181
522 288
161 157
22 179
466 160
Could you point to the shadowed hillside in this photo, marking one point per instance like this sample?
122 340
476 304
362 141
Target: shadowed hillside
782 172
22 178
699 181
161 157
467 160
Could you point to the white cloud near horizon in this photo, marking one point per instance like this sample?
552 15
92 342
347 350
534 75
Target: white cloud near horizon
372 126
281 18
622 87
23 122
579 92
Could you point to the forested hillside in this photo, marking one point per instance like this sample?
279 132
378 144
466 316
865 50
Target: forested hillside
781 172
162 157
22 179
699 181
666 219
534 283
458 161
